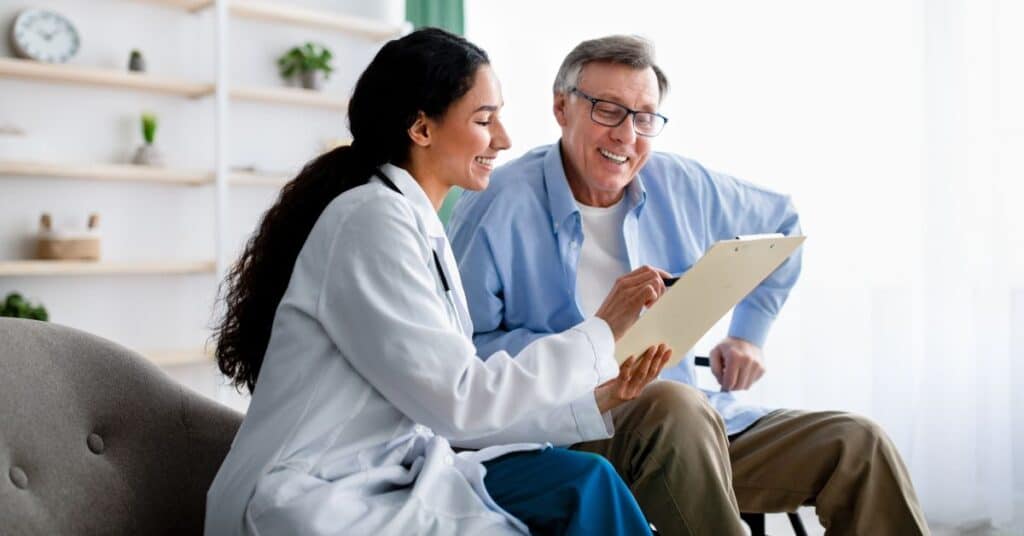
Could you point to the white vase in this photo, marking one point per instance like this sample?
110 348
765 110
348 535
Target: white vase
313 80
148 155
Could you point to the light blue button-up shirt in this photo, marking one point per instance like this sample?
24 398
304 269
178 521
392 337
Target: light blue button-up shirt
518 243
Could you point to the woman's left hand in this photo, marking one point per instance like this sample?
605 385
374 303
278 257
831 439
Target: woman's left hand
634 375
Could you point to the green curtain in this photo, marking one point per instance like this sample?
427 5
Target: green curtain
447 14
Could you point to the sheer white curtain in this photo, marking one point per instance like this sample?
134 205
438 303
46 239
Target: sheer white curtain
898 128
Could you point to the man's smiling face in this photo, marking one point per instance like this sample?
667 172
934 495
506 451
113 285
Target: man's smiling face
600 161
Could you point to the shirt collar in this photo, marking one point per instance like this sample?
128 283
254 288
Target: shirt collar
562 204
417 198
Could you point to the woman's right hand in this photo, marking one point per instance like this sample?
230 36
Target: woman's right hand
631 293
634 374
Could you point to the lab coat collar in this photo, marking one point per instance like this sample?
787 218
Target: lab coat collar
417 197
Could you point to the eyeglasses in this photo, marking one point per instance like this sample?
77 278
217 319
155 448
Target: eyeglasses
612 114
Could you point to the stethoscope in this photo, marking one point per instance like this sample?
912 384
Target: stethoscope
437 260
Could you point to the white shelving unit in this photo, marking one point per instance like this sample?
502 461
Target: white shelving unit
223 92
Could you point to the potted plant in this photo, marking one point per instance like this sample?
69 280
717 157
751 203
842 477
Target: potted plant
311 62
148 154
15 306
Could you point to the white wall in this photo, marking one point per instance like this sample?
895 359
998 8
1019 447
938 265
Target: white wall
152 222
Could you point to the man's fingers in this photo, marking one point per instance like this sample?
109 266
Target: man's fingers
729 375
716 364
743 379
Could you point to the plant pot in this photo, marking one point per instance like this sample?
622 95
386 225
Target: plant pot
148 155
312 80
136 63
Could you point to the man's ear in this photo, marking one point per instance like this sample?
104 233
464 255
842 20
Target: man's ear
561 102
420 130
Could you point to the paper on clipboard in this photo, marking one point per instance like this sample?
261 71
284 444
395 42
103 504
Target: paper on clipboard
727 272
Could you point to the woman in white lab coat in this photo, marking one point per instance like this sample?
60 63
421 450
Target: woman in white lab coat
346 320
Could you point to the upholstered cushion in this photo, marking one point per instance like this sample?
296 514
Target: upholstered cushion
96 440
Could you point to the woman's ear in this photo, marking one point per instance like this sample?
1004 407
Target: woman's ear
419 132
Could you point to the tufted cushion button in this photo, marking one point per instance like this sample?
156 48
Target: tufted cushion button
95 443
19 477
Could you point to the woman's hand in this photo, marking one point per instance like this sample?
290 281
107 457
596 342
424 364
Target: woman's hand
634 375
630 294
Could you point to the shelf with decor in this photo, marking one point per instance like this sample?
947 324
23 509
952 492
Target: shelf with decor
59 69
96 76
111 78
78 268
104 172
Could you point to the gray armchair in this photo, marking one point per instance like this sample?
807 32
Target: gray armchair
96 440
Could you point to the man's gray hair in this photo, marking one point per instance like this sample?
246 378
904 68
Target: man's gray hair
631 50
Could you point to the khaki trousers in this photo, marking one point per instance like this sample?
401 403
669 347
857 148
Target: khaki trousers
671 448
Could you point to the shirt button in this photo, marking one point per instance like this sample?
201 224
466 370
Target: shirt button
449 460
420 429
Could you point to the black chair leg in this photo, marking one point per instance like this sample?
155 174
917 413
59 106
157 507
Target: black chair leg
755 522
798 525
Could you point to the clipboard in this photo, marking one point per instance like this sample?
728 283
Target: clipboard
727 272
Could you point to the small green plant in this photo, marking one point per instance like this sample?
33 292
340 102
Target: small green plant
15 306
149 122
305 58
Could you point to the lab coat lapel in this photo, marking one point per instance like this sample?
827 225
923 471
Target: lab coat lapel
438 240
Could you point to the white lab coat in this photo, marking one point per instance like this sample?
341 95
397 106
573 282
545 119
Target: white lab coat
368 357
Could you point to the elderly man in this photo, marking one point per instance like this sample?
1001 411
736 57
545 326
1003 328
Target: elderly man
540 249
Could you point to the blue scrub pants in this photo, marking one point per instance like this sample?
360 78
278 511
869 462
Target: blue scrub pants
559 491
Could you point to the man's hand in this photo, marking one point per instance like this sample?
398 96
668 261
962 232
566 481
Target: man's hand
630 294
634 375
737 364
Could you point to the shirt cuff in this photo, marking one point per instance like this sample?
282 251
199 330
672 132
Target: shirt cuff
750 324
590 423
603 342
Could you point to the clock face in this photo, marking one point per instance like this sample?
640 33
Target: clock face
43 35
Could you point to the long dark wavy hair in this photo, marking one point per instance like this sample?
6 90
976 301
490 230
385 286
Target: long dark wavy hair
425 71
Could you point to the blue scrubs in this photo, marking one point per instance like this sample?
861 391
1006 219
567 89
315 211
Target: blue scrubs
559 491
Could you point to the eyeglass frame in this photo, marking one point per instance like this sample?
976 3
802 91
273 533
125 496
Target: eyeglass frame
629 113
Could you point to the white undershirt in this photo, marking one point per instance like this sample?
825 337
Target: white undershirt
603 257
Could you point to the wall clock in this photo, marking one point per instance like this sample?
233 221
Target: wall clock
41 35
